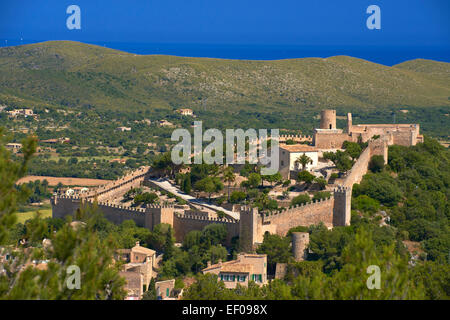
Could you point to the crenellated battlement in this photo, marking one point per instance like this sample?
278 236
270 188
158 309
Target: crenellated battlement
295 137
116 184
63 196
106 204
297 209
250 227
285 137
342 189
157 206
246 209
205 218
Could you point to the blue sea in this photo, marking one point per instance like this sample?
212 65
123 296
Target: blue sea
386 55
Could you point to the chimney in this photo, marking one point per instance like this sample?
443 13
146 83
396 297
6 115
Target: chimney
208 264
137 243
220 262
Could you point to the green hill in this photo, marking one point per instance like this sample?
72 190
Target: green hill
75 75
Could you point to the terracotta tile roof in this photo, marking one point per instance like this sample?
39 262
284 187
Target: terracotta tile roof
237 267
298 148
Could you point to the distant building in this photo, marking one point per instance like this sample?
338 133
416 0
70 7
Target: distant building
185 112
165 123
290 153
139 270
123 129
165 290
280 270
51 141
14 147
247 267
134 284
27 112
24 112
118 161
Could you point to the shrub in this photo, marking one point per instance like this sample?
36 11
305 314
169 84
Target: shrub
376 164
300 199
237 196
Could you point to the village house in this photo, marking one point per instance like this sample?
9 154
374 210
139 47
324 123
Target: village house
165 290
123 129
165 123
138 271
54 141
24 112
14 147
289 154
122 161
186 112
247 267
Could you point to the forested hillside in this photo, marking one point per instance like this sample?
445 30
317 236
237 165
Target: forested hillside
75 74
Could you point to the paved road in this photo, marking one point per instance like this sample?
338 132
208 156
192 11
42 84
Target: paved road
166 185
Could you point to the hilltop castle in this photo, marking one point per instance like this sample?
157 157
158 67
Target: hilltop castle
329 137
251 224
250 227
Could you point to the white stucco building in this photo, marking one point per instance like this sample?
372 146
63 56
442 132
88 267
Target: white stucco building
290 153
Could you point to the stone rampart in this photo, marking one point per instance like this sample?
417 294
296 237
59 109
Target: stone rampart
116 188
183 224
301 215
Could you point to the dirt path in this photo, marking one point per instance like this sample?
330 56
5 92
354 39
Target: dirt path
53 181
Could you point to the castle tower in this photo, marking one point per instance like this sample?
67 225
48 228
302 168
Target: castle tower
379 147
349 123
155 215
328 119
342 206
300 241
248 228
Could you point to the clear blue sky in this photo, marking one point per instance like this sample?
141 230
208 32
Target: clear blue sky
405 23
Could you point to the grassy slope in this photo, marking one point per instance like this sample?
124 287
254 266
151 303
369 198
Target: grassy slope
27 215
75 74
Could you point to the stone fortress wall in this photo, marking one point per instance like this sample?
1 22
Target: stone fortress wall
251 226
112 190
301 215
183 224
282 138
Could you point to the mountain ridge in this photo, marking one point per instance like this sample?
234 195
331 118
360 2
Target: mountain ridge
74 74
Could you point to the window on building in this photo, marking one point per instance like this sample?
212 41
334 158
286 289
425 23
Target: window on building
167 292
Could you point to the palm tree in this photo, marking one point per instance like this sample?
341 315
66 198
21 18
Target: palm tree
229 177
303 160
